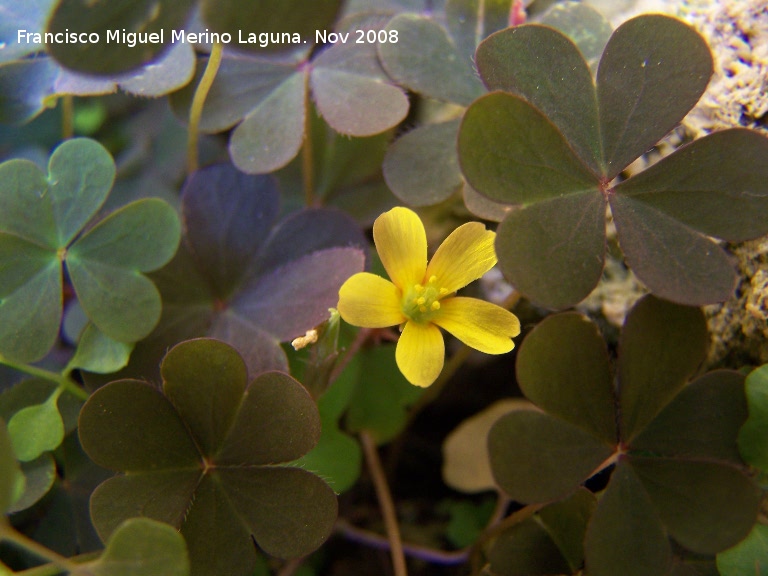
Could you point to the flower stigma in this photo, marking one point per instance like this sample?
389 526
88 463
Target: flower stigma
420 303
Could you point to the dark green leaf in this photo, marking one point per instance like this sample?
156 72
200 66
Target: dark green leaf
706 506
289 511
563 368
526 549
11 478
141 546
750 556
163 495
137 418
269 411
672 260
212 468
625 535
544 67
422 167
425 59
661 346
553 251
302 17
110 57
510 152
702 421
538 458
752 438
653 71
566 523
208 408
550 542
717 185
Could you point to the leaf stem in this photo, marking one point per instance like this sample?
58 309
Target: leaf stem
67 117
198 101
8 533
385 503
434 556
307 152
63 381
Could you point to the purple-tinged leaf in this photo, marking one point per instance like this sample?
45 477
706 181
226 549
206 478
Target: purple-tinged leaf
228 216
553 251
661 346
717 185
626 535
653 71
289 299
545 67
674 261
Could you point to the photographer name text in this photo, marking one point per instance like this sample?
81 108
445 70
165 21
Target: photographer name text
263 39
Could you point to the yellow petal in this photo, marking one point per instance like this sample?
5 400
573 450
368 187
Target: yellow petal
420 353
465 256
402 246
479 324
370 301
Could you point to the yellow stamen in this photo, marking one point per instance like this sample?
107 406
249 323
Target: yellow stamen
420 302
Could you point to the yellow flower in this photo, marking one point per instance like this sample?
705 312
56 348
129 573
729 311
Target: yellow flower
421 297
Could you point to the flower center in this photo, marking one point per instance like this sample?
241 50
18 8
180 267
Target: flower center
420 303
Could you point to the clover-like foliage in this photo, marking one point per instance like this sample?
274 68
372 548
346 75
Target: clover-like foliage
245 277
550 141
677 468
266 99
207 454
549 542
435 57
42 222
